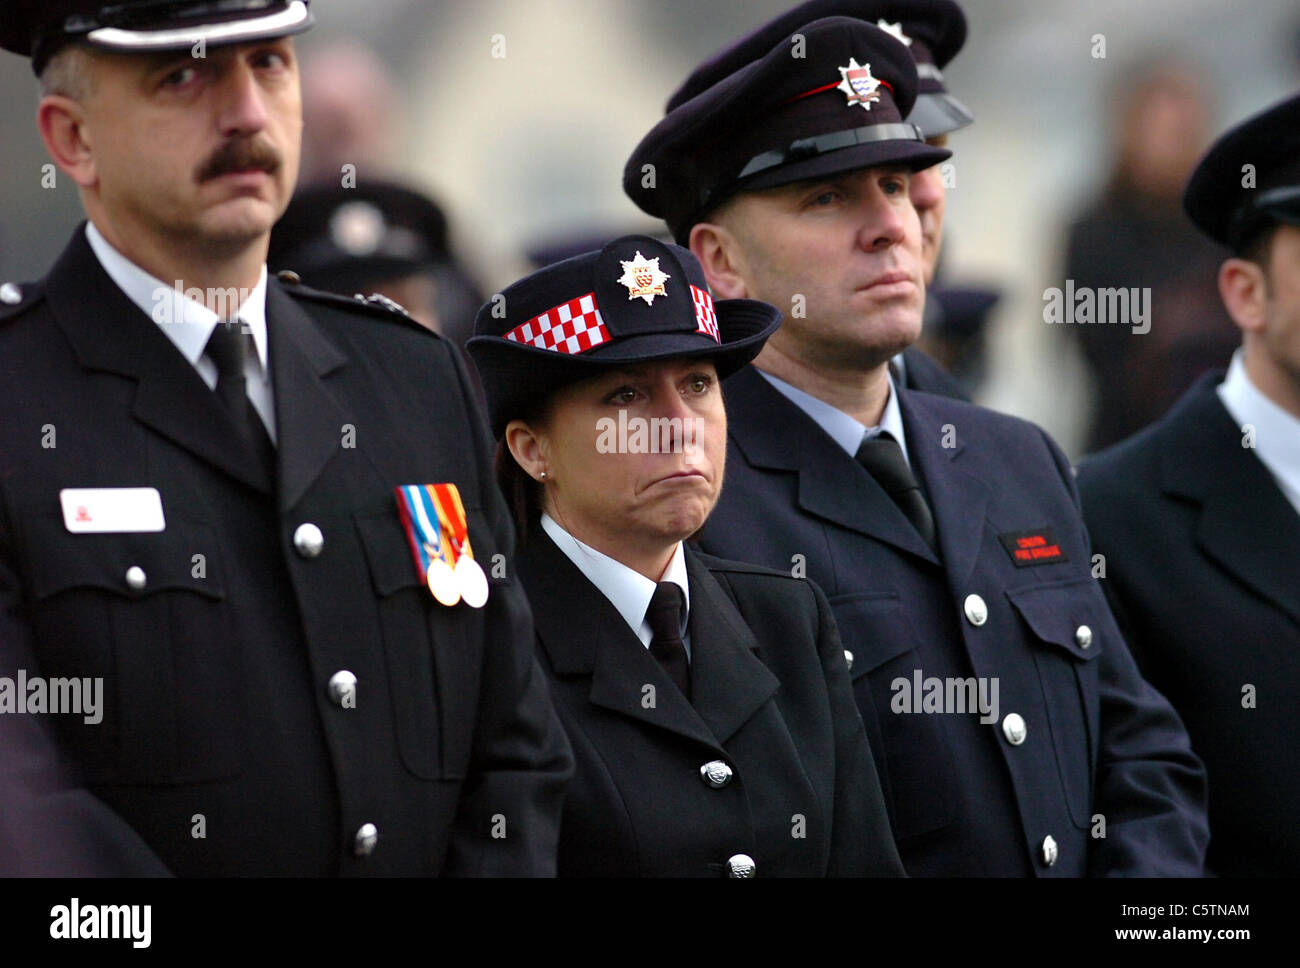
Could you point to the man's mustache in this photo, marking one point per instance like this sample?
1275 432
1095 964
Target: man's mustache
240 155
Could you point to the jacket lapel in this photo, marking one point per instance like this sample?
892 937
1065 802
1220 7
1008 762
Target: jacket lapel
584 635
774 434
1246 524
110 334
308 416
958 499
729 683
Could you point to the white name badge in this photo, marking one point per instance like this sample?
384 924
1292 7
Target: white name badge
103 510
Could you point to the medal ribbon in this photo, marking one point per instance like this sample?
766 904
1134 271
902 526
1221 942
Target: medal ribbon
421 523
451 515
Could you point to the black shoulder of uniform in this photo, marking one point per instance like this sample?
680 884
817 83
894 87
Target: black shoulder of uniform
727 566
17 298
373 305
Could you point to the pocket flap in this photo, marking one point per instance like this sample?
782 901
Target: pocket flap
1063 614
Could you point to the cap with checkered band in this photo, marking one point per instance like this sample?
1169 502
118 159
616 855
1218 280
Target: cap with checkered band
636 300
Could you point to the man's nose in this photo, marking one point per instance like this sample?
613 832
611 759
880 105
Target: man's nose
883 223
243 106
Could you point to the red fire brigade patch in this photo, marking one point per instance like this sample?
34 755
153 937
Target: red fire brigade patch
1036 547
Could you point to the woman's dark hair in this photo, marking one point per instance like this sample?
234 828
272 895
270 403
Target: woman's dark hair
523 494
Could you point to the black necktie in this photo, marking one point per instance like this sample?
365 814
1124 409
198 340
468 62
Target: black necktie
883 458
228 347
665 618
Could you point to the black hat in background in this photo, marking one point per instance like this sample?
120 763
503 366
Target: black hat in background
781 119
637 300
1249 178
933 30
39 28
349 239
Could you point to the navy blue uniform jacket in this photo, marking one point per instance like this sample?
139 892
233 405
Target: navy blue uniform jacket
1102 750
770 697
216 673
1203 568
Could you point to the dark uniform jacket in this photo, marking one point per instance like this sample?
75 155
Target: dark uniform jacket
222 745
1202 558
770 700
1081 744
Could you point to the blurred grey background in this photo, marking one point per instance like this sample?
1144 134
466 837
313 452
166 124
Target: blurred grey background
529 145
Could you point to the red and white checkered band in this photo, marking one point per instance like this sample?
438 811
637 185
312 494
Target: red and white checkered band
704 316
574 327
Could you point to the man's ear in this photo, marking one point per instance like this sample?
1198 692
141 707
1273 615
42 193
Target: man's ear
527 448
1243 287
62 123
723 261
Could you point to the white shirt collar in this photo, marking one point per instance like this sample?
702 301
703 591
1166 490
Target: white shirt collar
188 324
1277 432
845 430
628 591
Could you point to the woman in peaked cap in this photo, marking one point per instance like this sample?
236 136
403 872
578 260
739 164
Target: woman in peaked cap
708 702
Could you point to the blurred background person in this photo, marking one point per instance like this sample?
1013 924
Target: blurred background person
1135 235
379 237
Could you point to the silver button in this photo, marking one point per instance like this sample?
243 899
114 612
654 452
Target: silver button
716 774
11 294
976 611
343 686
367 837
308 540
1014 729
135 577
741 865
289 277
1049 850
1083 635
848 657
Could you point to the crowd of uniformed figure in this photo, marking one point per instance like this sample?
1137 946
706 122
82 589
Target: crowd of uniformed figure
362 606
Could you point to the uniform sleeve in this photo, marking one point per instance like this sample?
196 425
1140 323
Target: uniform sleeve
862 843
49 823
508 820
1149 786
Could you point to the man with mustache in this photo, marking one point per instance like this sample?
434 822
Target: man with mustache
947 537
222 495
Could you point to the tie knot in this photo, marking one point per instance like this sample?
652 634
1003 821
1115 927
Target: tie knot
883 458
228 347
665 611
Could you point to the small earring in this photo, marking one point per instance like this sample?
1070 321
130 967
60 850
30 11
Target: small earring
542 476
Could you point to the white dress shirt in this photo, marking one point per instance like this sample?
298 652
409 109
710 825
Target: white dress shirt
189 324
628 591
847 431
1277 432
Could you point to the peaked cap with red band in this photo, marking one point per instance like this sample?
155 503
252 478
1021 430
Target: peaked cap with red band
935 32
637 300
833 104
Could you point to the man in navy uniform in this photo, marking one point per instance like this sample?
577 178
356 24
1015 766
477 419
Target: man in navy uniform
947 537
934 32
1197 516
199 510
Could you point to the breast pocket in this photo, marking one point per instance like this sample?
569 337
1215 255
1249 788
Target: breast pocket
1070 622
918 766
434 653
143 618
